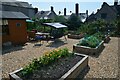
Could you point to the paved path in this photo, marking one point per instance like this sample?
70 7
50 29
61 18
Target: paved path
105 66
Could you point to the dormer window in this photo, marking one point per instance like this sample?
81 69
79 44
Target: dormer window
42 12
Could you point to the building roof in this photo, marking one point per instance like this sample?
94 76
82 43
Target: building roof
7 0
16 3
114 8
12 15
42 14
45 14
91 16
55 25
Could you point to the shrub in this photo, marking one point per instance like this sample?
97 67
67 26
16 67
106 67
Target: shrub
60 19
99 35
74 22
88 28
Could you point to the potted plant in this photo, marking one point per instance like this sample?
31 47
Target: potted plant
107 39
58 64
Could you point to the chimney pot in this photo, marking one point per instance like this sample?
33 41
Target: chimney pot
77 8
52 8
115 2
59 12
36 10
97 10
87 12
64 11
30 4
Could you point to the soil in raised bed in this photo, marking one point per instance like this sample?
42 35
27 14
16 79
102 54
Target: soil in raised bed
55 70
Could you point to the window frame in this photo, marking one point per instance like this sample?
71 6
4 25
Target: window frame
18 24
5 27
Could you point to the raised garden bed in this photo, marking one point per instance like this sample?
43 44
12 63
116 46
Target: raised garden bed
91 46
75 36
88 50
62 68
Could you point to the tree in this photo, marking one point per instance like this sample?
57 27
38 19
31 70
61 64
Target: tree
60 19
74 22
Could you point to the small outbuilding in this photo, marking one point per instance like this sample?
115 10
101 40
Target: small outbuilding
14 27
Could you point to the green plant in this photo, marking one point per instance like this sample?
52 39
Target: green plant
48 58
88 28
74 22
91 41
99 35
60 19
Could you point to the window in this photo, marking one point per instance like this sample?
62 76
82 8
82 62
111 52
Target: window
103 15
5 28
18 24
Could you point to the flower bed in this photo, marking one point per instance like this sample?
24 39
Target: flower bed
56 64
89 45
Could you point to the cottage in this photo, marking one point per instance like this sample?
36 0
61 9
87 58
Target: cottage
13 27
82 16
46 14
91 18
106 12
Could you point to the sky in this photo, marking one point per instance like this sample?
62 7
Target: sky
59 5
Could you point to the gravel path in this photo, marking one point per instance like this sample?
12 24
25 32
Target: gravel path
105 66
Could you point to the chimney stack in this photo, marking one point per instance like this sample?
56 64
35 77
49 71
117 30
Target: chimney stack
36 10
97 10
115 2
52 8
64 11
59 12
87 12
76 8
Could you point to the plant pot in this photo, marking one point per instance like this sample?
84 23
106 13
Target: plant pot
107 39
88 50
73 36
72 73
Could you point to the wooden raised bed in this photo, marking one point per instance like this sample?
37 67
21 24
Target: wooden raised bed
73 36
88 50
72 73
